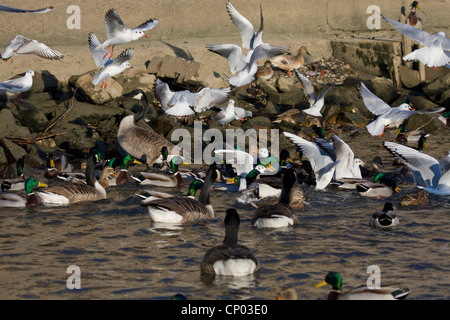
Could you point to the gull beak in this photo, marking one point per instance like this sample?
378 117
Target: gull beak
144 36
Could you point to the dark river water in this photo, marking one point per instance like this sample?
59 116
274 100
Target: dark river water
121 254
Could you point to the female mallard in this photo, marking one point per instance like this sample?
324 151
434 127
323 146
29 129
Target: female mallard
280 214
17 183
265 72
9 200
360 293
141 143
230 258
72 192
418 199
381 187
385 218
289 62
171 178
184 209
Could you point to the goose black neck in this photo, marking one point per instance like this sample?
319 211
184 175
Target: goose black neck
231 228
145 107
90 168
288 183
206 189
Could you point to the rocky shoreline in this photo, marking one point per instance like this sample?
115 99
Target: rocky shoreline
74 116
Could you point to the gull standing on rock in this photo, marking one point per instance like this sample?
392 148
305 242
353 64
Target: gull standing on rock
111 67
316 102
117 32
226 115
435 51
22 45
387 116
18 85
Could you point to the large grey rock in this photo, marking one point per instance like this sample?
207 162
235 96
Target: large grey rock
95 94
9 128
437 86
30 116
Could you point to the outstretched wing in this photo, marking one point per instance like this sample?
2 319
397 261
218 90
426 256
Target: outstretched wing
373 103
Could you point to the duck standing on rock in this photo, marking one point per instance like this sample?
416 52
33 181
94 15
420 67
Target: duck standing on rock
288 62
413 19
141 143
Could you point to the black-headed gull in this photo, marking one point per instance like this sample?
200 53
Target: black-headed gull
250 38
425 169
316 102
18 85
387 116
111 67
22 45
16 10
436 47
117 32
321 162
185 103
226 115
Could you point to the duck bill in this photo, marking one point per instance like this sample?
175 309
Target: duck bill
397 189
137 161
321 284
40 184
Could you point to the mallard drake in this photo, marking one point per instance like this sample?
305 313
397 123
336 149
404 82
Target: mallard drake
288 62
425 169
385 218
315 102
171 178
413 19
122 176
141 143
417 199
184 209
367 173
50 171
17 183
15 200
230 258
404 136
280 214
72 192
150 195
381 187
265 72
360 293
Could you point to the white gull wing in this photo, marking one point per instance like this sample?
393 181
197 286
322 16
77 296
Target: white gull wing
22 45
346 167
18 85
163 93
321 163
443 187
117 66
316 102
16 10
147 25
250 39
181 108
242 161
113 23
207 98
425 169
233 53
99 54
373 103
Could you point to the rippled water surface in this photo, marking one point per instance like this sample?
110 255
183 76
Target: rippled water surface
123 255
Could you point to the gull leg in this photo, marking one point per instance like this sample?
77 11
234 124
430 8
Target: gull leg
112 51
382 132
107 51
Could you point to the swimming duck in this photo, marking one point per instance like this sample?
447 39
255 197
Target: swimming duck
141 143
385 218
230 258
72 192
381 187
413 19
169 179
287 294
288 62
184 209
280 214
360 293
417 199
122 177
150 195
50 171
17 183
16 200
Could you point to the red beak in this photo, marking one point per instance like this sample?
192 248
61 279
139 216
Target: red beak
144 36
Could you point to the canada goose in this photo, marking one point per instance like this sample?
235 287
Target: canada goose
142 144
16 200
184 209
360 293
71 192
280 214
230 258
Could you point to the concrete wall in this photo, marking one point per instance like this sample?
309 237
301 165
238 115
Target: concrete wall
208 18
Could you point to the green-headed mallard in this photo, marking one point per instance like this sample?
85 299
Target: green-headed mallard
381 187
230 258
361 293
169 179
16 200
385 218
184 209
413 19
